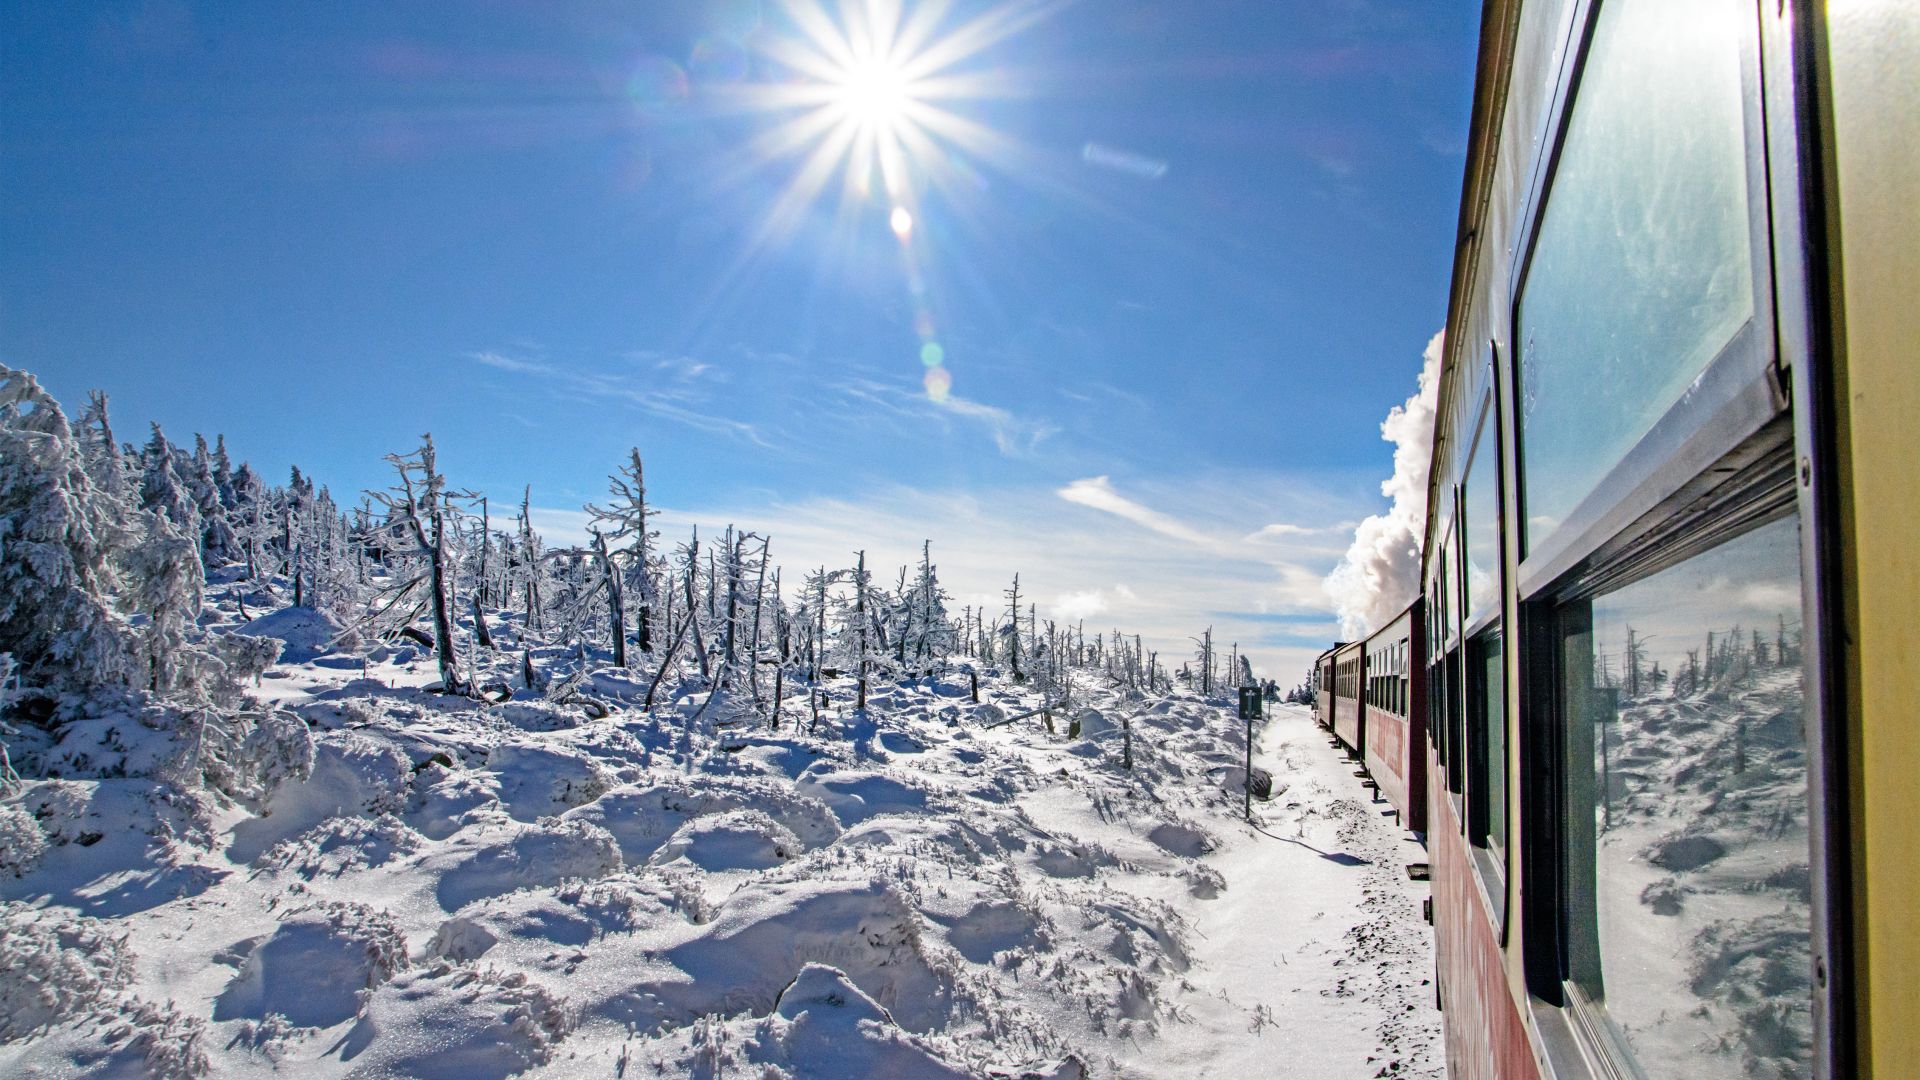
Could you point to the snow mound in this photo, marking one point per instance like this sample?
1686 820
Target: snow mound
538 780
457 1023
735 840
313 967
543 854
825 1026
765 933
352 774
446 800
307 633
642 817
856 795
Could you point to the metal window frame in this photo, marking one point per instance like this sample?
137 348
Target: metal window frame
1736 393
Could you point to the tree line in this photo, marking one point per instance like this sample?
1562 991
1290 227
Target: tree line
107 547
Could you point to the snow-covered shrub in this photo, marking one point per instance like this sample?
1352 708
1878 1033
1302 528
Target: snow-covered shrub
54 968
485 1022
341 844
166 583
170 1043
243 657
21 843
312 968
62 810
279 748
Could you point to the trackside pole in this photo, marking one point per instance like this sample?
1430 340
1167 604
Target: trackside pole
1249 711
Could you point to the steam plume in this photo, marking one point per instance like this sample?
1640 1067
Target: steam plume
1380 573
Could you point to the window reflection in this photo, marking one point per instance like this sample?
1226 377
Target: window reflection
1688 815
1480 508
1642 271
1493 728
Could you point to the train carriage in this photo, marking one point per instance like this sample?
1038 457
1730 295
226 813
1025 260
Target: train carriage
1669 557
1349 673
1323 687
1394 705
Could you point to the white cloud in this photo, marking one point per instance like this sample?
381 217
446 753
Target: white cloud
1076 606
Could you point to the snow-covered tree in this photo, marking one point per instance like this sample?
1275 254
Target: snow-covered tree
61 536
420 505
624 519
166 584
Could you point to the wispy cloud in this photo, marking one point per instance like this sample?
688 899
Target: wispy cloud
1013 435
673 399
1126 161
760 406
1098 493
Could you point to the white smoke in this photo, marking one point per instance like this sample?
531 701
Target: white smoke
1380 574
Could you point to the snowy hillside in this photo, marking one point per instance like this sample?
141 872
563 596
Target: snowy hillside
459 889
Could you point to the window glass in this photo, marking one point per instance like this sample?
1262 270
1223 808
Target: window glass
1480 508
1493 739
1688 843
1642 271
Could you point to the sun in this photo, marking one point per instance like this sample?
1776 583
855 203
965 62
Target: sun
874 92
871 91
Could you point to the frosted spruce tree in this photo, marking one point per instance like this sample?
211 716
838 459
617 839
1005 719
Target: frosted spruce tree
61 536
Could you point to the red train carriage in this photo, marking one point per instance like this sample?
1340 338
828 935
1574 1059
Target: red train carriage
1323 679
1349 720
1393 703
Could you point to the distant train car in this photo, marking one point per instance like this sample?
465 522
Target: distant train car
1349 719
1323 687
1670 555
1393 703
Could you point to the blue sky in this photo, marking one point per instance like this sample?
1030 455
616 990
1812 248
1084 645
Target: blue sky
1179 260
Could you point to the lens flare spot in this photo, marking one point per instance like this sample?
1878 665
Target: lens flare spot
939 383
657 84
923 324
902 221
932 355
719 60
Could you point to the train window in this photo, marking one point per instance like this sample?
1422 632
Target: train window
1480 503
1488 696
1642 269
1686 827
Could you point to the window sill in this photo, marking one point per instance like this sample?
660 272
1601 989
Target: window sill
1492 881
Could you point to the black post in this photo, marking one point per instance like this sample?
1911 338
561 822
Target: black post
1249 711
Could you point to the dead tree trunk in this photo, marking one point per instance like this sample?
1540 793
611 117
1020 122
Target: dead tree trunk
616 598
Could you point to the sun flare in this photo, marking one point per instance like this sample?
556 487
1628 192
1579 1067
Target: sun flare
869 94
874 92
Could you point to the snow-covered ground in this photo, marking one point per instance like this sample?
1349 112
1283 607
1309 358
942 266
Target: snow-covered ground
463 889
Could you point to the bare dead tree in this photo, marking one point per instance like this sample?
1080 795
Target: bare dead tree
420 505
616 597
